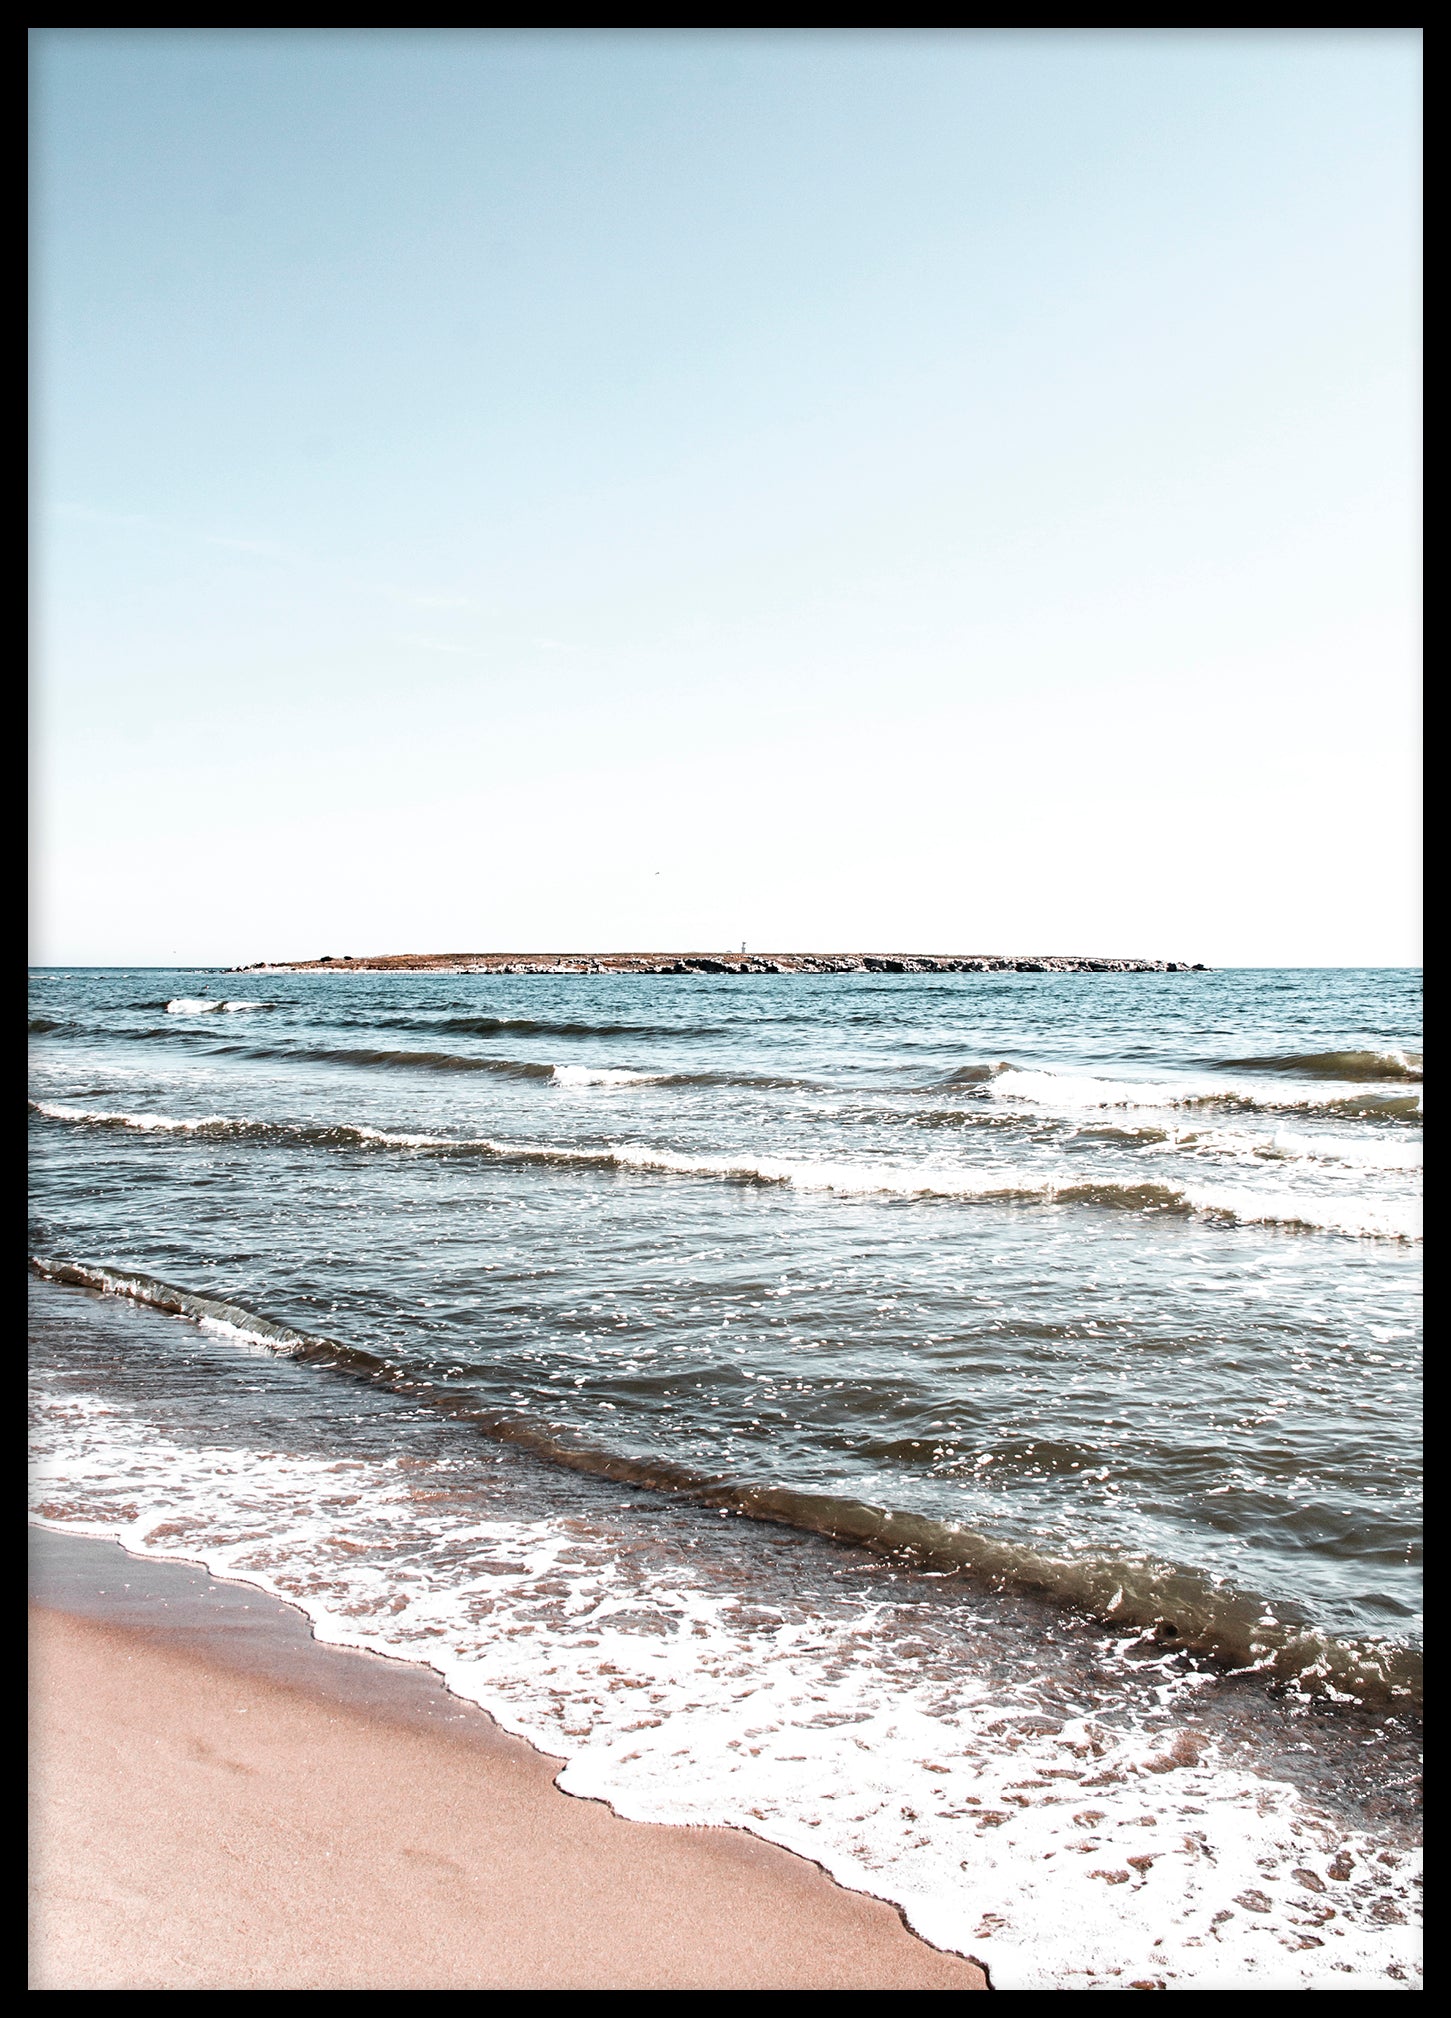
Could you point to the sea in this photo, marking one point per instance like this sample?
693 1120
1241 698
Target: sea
960 1427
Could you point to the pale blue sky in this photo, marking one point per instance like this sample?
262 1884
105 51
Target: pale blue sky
846 490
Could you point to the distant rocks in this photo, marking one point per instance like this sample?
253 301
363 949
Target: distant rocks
720 963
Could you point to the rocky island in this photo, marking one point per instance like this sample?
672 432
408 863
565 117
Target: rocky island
718 963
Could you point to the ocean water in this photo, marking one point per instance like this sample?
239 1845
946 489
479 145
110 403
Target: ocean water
961 1427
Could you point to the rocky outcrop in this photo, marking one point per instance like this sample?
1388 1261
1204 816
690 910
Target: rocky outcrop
720 963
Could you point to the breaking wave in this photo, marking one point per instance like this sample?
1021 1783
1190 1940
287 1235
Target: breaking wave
1053 1092
202 1005
587 1075
1300 1213
509 1068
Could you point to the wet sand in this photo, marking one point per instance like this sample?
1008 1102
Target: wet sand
218 1802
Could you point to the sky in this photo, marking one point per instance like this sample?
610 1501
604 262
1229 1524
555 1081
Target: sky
842 490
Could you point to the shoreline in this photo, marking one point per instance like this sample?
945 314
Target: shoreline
364 1828
1075 1801
717 963
928 1544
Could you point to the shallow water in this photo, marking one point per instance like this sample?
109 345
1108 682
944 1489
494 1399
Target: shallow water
1080 1310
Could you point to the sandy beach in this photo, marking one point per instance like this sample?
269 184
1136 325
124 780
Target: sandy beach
220 1803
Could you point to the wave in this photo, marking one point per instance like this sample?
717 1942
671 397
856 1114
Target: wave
512 1068
199 1005
536 1026
152 1124
590 1075
587 1075
40 1025
1405 1065
1073 1093
411 1061
234 1320
1178 1606
1296 1213
973 1075
1378 1150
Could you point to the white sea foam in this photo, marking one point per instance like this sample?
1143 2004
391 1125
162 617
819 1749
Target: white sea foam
201 1005
1404 1061
1063 1853
1316 1212
150 1124
1256 1147
588 1075
1068 1093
